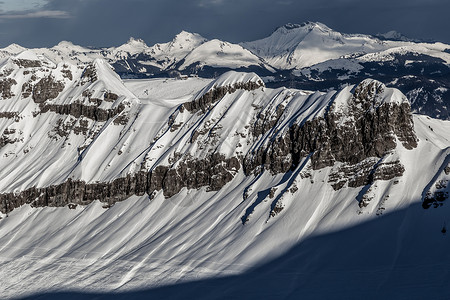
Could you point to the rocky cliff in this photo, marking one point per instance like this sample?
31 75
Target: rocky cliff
232 126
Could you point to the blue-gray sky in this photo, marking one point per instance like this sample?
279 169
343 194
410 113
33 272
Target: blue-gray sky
42 23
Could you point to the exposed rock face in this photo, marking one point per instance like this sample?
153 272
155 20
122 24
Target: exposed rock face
78 109
368 129
7 137
110 97
439 190
28 63
89 74
5 87
47 88
77 192
204 102
354 137
213 172
9 115
27 89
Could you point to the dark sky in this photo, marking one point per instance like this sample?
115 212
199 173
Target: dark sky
42 23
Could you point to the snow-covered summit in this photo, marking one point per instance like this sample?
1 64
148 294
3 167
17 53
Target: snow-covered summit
167 54
304 27
132 46
13 49
217 53
306 44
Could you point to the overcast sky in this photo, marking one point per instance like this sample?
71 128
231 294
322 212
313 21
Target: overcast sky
42 23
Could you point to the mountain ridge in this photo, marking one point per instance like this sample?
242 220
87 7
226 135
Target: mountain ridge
114 184
309 55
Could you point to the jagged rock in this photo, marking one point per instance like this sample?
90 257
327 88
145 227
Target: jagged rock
387 171
77 193
28 63
67 74
77 109
5 87
9 115
212 172
89 74
110 97
47 88
27 89
368 130
204 102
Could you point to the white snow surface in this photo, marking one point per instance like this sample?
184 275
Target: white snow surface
298 46
320 240
216 53
289 47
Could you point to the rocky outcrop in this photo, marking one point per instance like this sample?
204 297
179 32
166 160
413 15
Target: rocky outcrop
353 137
110 97
5 87
28 63
438 191
208 99
8 137
77 192
78 109
212 172
47 88
89 74
9 115
368 129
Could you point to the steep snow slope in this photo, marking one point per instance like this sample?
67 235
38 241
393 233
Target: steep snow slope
167 54
219 54
217 177
298 46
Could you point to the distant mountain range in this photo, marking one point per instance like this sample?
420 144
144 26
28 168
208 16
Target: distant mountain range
308 55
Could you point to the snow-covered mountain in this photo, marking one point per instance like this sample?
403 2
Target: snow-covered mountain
115 186
308 56
294 46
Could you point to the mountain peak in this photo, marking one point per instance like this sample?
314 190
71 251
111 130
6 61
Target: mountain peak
136 42
65 44
185 36
305 26
14 49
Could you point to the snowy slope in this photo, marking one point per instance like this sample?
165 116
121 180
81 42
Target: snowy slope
167 54
298 46
219 54
259 199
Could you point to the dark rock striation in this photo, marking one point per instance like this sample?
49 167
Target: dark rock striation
47 88
204 102
368 129
212 172
78 109
355 140
5 87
